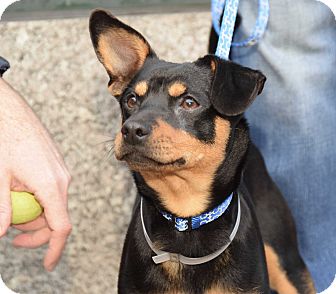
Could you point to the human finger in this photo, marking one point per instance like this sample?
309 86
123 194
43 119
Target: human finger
34 225
32 240
56 214
5 207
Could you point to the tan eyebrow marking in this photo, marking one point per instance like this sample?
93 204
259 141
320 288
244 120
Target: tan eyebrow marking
176 89
141 88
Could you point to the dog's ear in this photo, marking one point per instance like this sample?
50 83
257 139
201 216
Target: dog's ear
234 87
120 48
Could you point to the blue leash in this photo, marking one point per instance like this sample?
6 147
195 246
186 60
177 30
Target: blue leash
225 32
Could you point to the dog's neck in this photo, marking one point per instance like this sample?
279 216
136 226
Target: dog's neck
188 193
183 194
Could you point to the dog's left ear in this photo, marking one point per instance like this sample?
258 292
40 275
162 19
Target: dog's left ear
121 49
234 87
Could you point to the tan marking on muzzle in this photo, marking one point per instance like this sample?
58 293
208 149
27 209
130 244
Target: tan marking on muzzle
185 191
118 145
176 89
141 88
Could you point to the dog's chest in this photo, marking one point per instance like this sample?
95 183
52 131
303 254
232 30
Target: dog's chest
176 273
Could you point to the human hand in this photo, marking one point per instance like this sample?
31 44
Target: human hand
29 161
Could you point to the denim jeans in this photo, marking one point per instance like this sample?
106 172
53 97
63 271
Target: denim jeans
294 120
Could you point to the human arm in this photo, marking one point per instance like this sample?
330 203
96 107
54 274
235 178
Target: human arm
30 161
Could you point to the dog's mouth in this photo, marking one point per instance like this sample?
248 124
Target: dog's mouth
142 161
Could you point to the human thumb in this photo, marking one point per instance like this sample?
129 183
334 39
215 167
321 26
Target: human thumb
5 208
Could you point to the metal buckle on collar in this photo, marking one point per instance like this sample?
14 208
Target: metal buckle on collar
166 256
174 257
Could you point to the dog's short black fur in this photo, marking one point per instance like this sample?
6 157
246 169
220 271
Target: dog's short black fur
186 142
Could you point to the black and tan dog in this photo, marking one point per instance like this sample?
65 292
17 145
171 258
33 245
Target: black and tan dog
187 145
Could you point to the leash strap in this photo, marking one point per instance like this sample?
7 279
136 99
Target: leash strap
225 32
163 256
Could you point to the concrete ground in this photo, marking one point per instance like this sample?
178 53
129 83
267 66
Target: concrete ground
55 68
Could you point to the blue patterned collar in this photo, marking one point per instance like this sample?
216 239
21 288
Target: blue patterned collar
191 223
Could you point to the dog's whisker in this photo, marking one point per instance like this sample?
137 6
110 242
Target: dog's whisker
104 142
110 152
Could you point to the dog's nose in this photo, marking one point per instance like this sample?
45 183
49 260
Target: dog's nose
134 132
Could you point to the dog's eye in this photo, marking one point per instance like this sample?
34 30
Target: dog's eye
189 103
132 101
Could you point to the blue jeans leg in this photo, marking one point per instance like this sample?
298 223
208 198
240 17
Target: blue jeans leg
294 121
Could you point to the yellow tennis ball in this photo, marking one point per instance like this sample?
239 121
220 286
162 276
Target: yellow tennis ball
25 208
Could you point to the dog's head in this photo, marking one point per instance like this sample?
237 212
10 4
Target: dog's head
175 117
